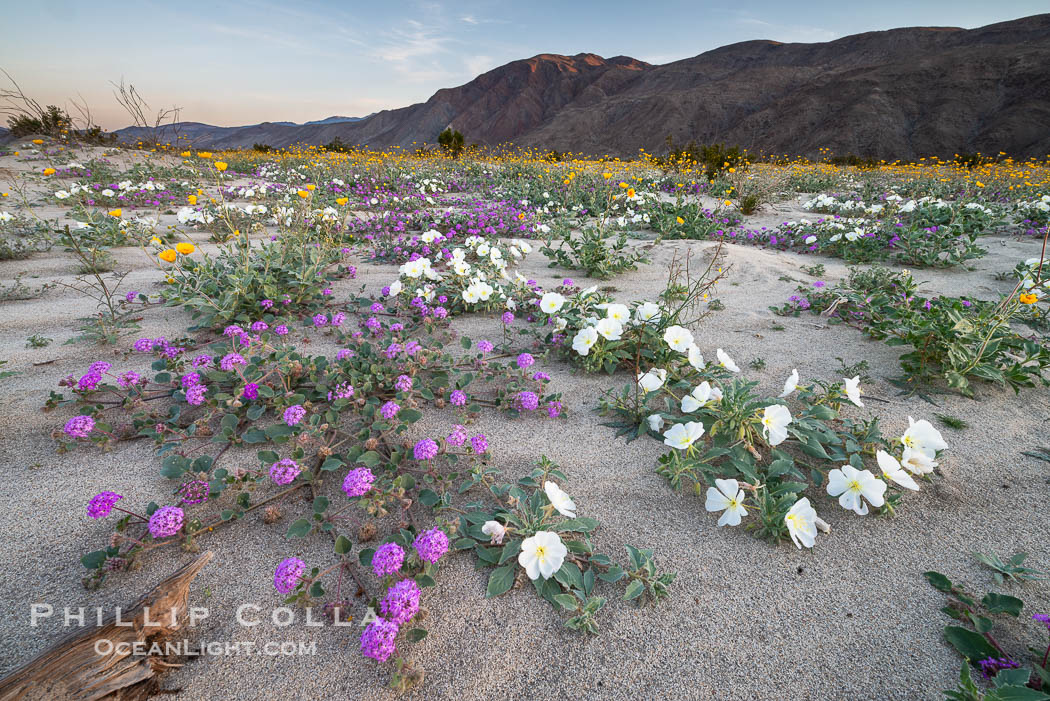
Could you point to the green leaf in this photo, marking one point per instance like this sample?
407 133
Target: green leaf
94 560
429 497
969 644
370 459
501 580
416 634
299 529
576 525
331 463
1002 603
320 505
342 545
634 590
567 601
938 581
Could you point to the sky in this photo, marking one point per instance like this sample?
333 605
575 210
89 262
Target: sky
233 63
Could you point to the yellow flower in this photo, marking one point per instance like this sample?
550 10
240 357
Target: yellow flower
38 141
521 216
980 184
303 193
1028 298
342 200
681 221
171 280
728 203
732 170
630 192
606 175
115 213
311 187
167 255
204 154
624 186
192 199
49 171
185 248
154 240
185 154
220 166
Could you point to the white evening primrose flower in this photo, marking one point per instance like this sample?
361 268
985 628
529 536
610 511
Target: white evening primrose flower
656 422
853 389
610 329
810 240
494 530
725 361
894 472
551 302
801 521
682 436
395 288
588 292
726 496
652 380
917 462
61 195
923 437
584 339
678 338
696 358
542 554
647 311
700 395
790 385
775 420
560 500
616 312
850 484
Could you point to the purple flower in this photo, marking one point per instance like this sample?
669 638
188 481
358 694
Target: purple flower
195 394
190 379
458 436
344 391
165 521
457 398
389 410
143 345
284 471
387 559
377 308
230 360
280 330
194 491
250 391
294 414
554 410
259 326
431 545
130 296
377 641
286 576
1042 618
991 666
128 379
320 319
401 602
527 401
89 381
425 449
202 361
525 360
507 318
567 282
338 318
485 346
79 426
344 353
403 383
358 482
266 303
541 376
440 312
232 330
102 503
479 443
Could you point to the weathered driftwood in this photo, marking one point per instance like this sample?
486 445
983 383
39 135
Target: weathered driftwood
73 669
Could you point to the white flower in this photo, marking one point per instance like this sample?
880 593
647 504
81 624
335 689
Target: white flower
790 385
725 361
395 288
652 380
6 216
495 530
917 462
611 329
809 240
678 338
551 302
696 359
801 521
728 497
893 470
584 339
850 484
700 395
647 311
774 423
682 436
61 195
656 422
470 295
853 389
542 554
923 437
588 292
413 268
559 499
616 312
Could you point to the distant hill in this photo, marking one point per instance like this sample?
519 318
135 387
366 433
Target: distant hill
901 93
208 135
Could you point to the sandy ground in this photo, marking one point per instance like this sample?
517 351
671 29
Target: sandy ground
851 619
